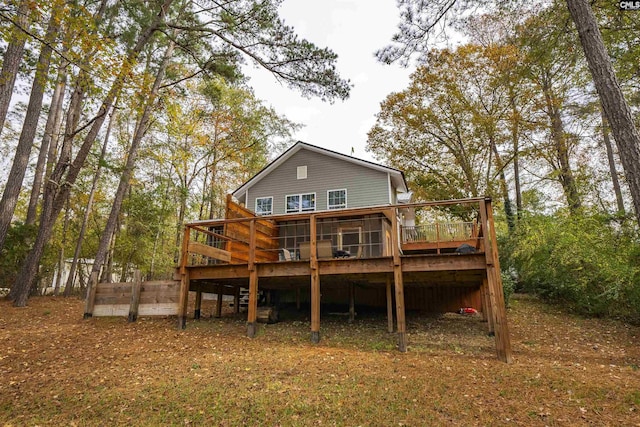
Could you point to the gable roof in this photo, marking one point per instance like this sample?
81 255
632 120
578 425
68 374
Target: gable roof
397 176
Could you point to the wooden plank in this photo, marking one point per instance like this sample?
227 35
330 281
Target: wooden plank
135 296
113 299
352 302
160 309
91 295
198 305
487 314
184 282
252 310
113 288
209 233
494 281
452 262
252 246
106 310
389 306
400 308
315 306
494 277
398 283
219 301
236 300
452 244
315 281
209 251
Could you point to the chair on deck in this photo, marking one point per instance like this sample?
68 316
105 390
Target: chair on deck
324 249
305 250
285 255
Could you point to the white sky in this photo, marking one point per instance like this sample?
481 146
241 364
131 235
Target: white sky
354 29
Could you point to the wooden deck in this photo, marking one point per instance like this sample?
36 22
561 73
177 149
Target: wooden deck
243 251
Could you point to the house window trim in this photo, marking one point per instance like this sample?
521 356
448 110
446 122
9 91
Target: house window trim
299 210
256 205
337 206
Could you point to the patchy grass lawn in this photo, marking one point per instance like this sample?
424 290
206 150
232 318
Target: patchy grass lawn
57 369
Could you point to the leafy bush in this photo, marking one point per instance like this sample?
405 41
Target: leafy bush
17 244
581 261
508 286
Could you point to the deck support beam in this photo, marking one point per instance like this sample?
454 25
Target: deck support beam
352 302
252 312
389 307
198 306
398 282
315 284
236 300
219 301
487 308
184 280
400 315
494 281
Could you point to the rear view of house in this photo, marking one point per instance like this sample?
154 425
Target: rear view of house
317 227
307 178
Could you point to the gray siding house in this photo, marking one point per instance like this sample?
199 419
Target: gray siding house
308 178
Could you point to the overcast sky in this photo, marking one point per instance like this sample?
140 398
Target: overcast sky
354 29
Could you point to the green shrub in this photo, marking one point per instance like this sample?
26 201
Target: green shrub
581 261
508 286
17 244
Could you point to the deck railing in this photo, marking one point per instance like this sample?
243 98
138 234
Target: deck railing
439 232
243 238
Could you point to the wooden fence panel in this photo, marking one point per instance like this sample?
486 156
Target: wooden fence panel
157 298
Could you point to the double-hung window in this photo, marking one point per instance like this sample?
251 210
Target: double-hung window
264 205
337 199
300 203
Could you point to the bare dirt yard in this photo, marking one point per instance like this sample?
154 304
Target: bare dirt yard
58 369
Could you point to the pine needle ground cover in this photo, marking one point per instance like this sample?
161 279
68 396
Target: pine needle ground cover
57 369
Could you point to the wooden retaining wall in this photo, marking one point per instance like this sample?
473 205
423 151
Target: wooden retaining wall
138 298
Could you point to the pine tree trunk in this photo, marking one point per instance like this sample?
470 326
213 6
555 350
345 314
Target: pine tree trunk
87 211
55 112
612 165
132 155
57 188
29 127
11 61
565 174
504 189
515 134
615 106
65 227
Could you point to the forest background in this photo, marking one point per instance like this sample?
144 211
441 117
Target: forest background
139 117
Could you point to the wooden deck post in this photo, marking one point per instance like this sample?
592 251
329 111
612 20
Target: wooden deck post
315 283
236 300
184 280
253 282
389 306
219 301
135 296
494 281
352 302
486 301
398 283
198 306
91 295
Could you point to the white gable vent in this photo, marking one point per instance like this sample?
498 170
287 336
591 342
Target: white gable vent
302 172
